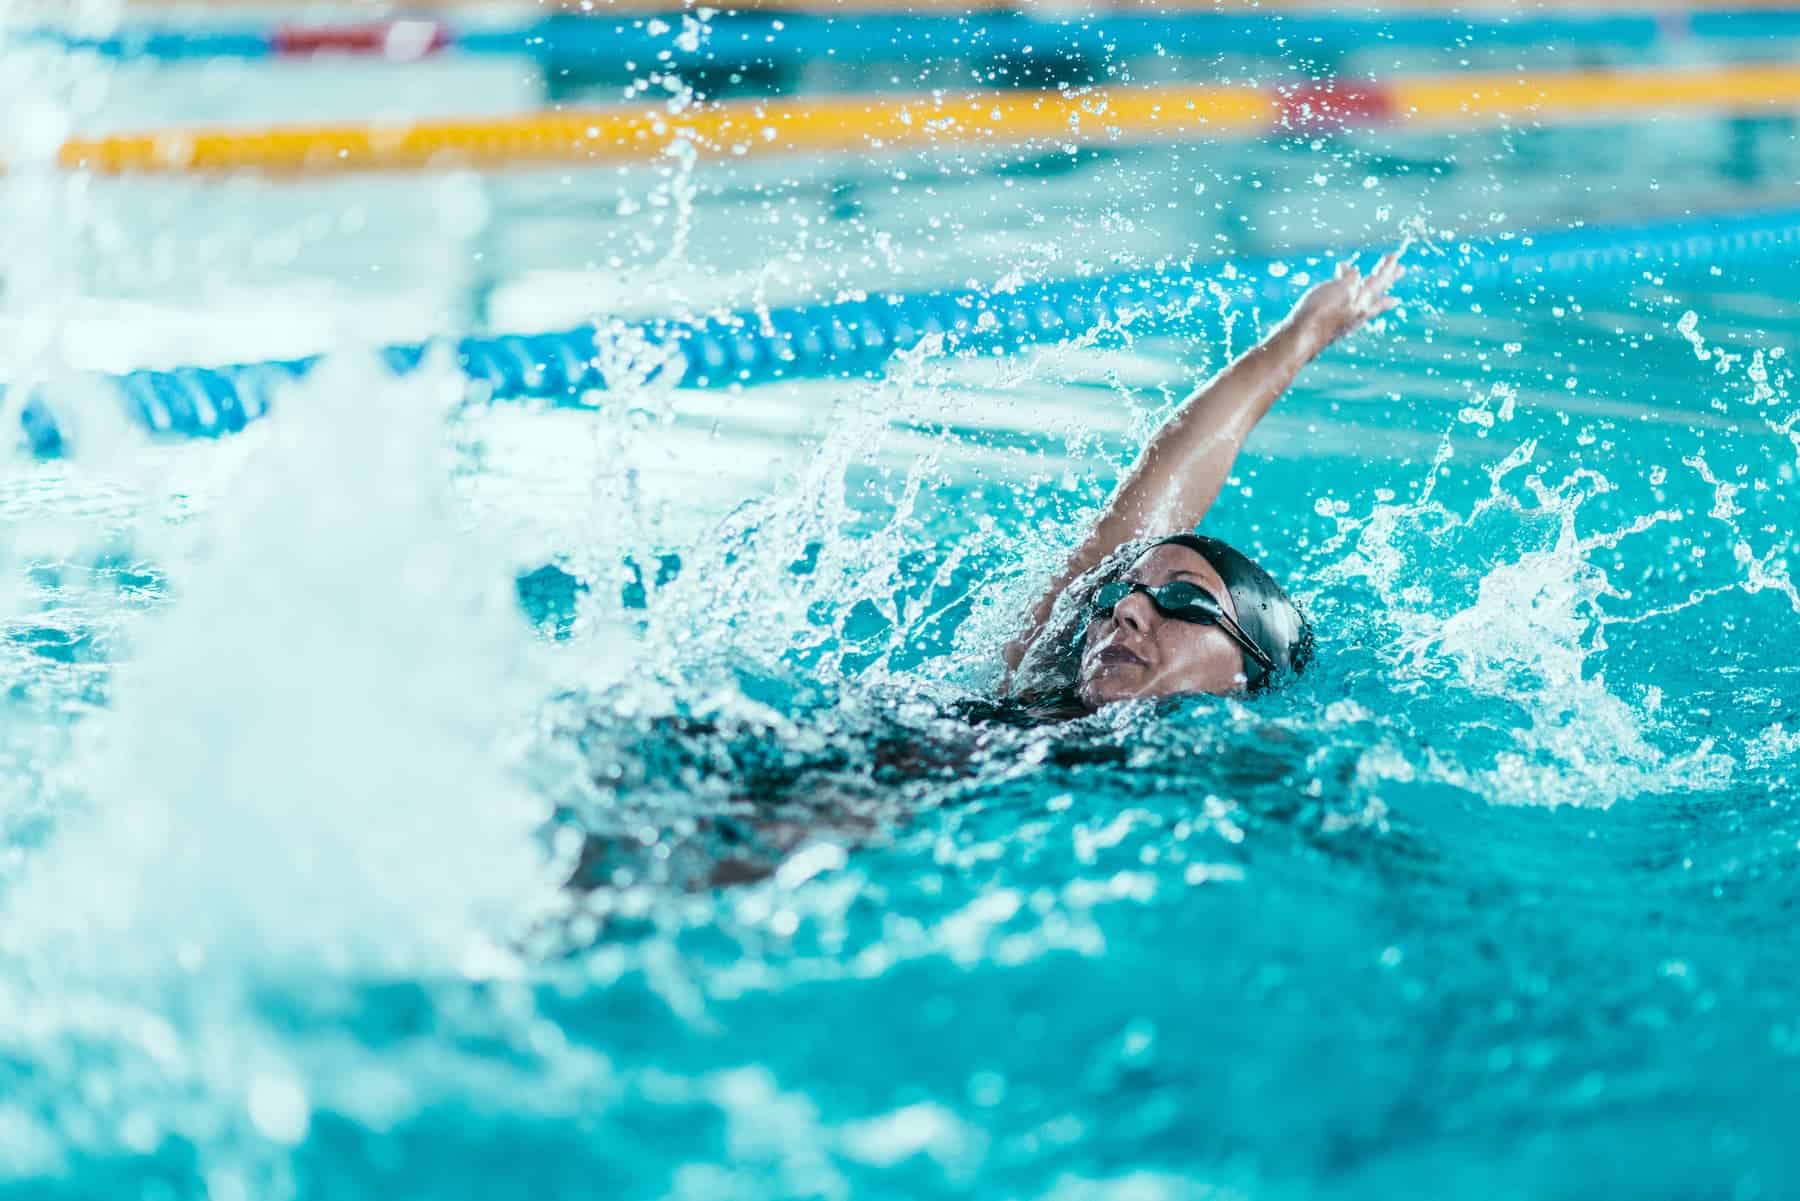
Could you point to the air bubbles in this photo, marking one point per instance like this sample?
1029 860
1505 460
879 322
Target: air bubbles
278 1107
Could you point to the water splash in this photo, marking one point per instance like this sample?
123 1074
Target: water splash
311 774
1520 646
302 759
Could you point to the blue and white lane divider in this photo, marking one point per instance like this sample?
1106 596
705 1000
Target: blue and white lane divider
857 337
781 39
775 38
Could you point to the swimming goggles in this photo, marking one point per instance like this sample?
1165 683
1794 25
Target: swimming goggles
1182 601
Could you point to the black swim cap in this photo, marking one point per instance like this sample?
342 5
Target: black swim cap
1264 611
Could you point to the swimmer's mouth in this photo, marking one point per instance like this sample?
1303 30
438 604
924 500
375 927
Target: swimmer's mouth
1119 655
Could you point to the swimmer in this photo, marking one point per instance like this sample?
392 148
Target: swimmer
1143 607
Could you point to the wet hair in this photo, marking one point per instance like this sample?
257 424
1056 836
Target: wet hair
1264 609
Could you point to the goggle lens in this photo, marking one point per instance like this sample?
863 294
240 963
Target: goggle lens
1178 599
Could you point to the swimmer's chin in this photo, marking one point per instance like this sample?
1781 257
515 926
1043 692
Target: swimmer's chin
1106 682
1103 688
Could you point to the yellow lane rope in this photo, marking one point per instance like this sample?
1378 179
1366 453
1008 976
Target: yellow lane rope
782 124
1576 95
877 123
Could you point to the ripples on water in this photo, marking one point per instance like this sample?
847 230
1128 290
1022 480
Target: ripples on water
1492 903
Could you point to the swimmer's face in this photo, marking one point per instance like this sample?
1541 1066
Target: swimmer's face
1137 652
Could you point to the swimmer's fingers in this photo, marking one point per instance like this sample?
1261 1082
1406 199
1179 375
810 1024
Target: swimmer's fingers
1390 273
1386 272
1380 281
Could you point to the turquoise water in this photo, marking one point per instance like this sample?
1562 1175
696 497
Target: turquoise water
301 730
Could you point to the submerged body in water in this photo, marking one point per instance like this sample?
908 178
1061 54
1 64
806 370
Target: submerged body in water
724 800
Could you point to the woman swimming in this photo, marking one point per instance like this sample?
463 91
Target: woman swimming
1136 611
1143 607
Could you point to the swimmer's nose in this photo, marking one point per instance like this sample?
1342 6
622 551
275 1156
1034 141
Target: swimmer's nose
1134 612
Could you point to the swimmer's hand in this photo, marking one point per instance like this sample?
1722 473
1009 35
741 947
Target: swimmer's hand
1343 303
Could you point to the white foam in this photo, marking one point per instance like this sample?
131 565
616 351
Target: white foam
307 755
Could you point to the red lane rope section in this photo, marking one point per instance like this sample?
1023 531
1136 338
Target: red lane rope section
1332 106
403 40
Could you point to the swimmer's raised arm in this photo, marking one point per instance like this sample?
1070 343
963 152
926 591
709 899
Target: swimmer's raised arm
1187 461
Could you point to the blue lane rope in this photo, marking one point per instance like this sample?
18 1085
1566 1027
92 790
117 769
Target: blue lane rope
773 38
857 337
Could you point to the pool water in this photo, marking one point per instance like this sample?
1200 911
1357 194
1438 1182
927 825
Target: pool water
302 730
